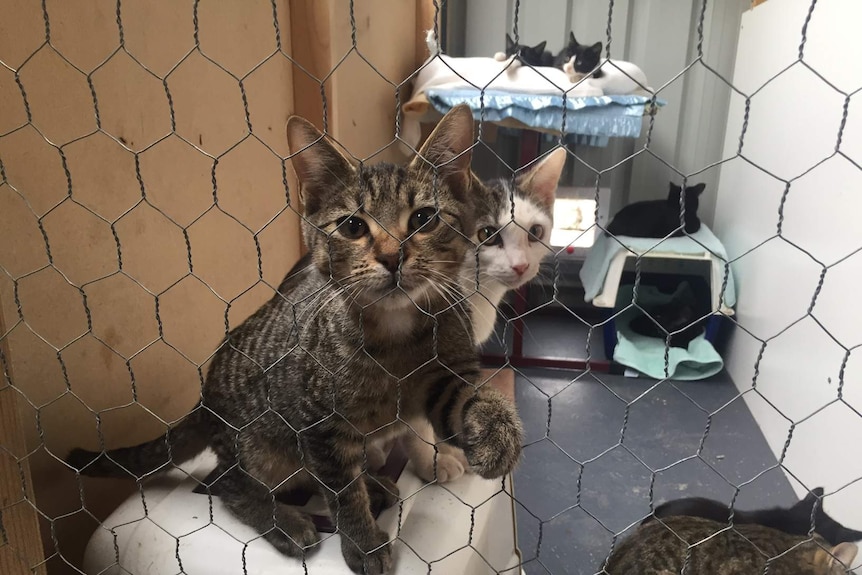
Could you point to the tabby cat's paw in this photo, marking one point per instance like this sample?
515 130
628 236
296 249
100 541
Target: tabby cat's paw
372 558
382 491
492 435
296 533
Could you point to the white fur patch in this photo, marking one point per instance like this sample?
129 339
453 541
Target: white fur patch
497 262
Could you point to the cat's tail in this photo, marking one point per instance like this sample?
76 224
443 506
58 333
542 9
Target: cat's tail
846 535
179 444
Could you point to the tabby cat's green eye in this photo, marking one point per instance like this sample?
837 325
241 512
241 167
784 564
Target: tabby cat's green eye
536 232
423 220
489 236
352 227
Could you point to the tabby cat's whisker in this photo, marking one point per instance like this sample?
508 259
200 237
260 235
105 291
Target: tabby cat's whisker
441 290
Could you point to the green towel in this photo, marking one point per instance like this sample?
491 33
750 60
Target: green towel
646 354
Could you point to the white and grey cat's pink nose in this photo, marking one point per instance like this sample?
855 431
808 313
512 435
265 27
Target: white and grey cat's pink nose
520 269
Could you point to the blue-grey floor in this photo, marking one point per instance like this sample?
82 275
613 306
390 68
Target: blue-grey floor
599 447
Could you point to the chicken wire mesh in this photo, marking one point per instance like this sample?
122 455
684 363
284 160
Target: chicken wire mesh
75 278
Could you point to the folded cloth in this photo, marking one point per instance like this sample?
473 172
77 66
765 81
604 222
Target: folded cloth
609 116
605 249
647 354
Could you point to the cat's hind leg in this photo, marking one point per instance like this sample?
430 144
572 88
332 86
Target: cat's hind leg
336 460
382 491
287 529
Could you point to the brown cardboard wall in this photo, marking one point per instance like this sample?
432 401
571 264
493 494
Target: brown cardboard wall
137 251
130 228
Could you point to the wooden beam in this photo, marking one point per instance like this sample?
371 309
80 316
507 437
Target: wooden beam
19 520
310 48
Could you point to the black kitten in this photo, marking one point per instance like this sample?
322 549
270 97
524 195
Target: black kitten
677 314
530 55
795 520
587 58
658 218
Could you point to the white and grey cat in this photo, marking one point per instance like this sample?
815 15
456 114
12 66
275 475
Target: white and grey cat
511 244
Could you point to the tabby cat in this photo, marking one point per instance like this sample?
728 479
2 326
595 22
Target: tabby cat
347 350
659 218
662 548
795 520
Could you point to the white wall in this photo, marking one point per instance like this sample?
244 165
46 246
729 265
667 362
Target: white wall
793 124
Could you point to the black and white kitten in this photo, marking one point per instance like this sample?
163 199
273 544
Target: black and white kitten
795 520
530 55
617 77
585 59
658 218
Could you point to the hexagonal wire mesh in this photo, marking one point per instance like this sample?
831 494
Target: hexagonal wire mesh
70 280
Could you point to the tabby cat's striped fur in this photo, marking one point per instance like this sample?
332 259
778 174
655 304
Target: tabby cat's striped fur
696 546
349 349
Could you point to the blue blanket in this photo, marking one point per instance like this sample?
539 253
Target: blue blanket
597 116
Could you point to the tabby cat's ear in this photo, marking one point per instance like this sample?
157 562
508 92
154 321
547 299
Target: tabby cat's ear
541 180
318 164
842 553
448 148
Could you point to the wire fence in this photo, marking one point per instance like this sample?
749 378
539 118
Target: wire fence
125 259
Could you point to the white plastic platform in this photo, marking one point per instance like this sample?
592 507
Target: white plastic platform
177 536
607 298
606 261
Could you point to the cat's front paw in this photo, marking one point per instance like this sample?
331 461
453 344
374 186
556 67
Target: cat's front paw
492 435
448 468
373 557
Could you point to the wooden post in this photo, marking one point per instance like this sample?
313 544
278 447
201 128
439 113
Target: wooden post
19 521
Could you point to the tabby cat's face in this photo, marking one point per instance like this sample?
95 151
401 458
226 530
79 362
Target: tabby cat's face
388 234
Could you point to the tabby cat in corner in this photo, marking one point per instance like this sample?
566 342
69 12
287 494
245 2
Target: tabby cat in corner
795 520
704 547
346 351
